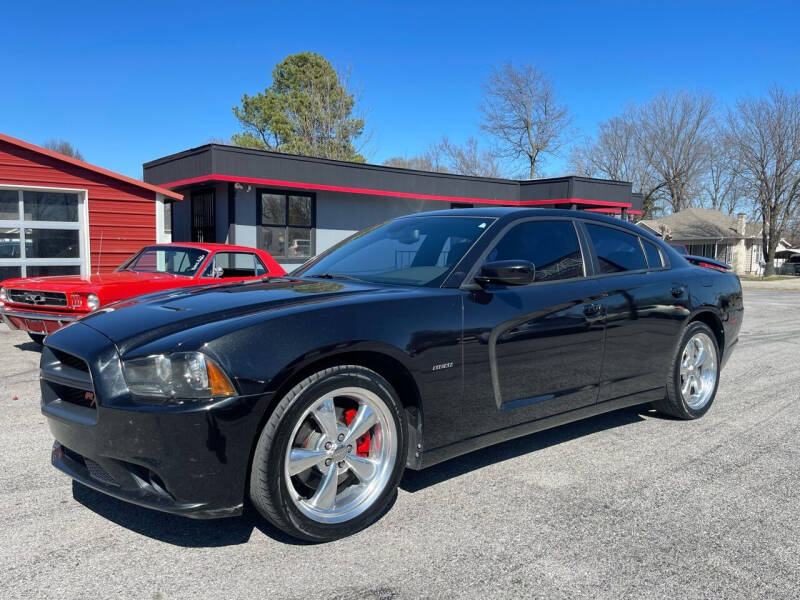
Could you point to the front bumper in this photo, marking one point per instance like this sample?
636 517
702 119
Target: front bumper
190 460
35 322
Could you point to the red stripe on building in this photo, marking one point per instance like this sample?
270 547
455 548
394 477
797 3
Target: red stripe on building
371 192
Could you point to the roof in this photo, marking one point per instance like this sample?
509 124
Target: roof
217 163
515 211
701 224
89 167
347 163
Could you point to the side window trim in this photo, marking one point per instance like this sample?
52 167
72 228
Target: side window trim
469 279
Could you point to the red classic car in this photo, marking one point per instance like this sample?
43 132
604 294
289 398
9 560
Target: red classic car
41 305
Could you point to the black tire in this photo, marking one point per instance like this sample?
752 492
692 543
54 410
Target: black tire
674 403
37 338
268 487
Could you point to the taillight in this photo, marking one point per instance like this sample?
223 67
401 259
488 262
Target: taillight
710 266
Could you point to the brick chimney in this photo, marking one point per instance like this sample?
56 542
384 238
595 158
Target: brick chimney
741 224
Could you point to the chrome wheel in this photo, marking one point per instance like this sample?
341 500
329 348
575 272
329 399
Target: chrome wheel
698 370
341 455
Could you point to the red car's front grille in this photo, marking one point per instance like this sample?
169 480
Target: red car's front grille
36 298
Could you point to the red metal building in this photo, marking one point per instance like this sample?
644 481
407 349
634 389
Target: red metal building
60 215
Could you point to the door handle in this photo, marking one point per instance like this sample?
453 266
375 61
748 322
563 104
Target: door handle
677 292
592 310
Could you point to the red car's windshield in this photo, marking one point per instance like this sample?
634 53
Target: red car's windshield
166 259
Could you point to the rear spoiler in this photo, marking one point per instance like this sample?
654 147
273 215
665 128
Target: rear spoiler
709 263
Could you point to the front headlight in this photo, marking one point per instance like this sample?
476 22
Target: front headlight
3 295
177 376
92 301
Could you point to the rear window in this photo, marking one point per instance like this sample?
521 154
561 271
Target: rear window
616 250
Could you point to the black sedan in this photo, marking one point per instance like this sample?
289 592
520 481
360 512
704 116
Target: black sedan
407 344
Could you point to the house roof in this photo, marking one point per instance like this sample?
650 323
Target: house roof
90 167
701 224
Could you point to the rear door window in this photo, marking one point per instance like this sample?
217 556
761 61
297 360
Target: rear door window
616 250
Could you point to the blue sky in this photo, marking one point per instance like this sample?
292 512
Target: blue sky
127 82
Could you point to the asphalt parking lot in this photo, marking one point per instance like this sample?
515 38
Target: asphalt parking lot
626 505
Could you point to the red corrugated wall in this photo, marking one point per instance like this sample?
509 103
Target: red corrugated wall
122 214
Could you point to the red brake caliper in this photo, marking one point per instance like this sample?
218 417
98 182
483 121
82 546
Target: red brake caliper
362 443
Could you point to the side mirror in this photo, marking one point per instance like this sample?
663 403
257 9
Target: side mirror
506 272
218 272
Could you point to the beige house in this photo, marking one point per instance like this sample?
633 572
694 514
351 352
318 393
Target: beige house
711 233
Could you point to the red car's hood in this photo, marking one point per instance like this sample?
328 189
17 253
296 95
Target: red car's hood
77 282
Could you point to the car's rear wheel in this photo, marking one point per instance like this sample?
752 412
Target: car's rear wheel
37 338
694 375
331 454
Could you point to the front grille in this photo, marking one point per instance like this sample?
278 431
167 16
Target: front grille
96 472
99 473
75 396
70 360
37 298
67 383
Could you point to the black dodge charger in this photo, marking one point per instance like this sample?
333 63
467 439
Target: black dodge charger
409 343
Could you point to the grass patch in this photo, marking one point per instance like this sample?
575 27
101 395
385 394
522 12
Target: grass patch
770 278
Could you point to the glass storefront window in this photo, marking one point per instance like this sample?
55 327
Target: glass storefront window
52 243
39 233
9 243
9 205
10 272
50 206
286 224
48 270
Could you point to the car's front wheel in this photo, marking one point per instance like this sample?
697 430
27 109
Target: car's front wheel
694 374
331 454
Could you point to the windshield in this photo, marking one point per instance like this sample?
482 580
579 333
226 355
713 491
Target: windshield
166 259
418 251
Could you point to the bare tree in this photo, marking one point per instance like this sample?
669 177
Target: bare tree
430 160
673 131
445 156
521 111
63 147
766 136
722 186
469 158
616 154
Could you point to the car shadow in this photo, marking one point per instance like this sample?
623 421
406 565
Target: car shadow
183 531
414 481
174 529
29 347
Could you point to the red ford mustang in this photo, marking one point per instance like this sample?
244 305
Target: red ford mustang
41 305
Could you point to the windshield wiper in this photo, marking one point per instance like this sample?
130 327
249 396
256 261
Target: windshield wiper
335 276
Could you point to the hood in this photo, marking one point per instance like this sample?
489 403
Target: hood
137 321
74 283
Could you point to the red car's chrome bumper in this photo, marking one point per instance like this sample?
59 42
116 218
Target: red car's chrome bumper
35 322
